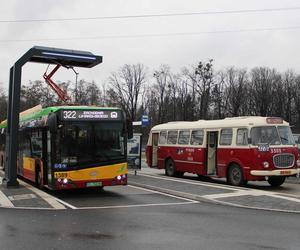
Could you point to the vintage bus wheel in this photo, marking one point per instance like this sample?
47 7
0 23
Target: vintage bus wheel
235 176
276 181
170 168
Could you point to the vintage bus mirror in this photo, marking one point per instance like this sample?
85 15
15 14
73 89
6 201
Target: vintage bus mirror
52 122
129 128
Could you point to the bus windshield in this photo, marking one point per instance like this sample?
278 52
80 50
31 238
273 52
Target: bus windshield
272 135
88 143
286 135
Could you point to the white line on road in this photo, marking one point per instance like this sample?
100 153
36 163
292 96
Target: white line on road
286 198
65 203
140 205
193 183
162 193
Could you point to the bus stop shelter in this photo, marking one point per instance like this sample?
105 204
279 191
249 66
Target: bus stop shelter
37 54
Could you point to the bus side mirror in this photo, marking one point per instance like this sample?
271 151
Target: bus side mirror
52 123
129 129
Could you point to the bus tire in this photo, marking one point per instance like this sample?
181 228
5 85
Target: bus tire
170 168
276 181
235 176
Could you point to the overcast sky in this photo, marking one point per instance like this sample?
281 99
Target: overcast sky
242 39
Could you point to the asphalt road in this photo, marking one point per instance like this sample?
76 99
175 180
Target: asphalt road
188 226
133 217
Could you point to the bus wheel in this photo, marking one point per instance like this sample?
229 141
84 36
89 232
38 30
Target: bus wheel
170 168
235 176
276 181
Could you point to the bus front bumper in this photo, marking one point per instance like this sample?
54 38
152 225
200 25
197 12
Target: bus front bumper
277 172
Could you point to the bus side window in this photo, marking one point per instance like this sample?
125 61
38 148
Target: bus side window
36 144
184 137
172 137
24 144
242 136
162 137
197 137
226 137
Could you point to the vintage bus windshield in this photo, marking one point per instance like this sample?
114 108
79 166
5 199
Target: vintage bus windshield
286 135
272 135
90 143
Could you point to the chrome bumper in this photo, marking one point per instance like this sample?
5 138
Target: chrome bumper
277 172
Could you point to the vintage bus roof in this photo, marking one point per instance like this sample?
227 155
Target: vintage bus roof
242 121
38 112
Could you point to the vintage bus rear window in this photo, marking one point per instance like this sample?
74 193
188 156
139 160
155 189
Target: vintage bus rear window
162 137
242 136
197 137
226 137
172 137
184 137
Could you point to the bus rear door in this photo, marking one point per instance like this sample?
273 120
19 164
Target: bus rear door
154 149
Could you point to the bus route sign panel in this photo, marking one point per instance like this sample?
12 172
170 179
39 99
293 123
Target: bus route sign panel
91 115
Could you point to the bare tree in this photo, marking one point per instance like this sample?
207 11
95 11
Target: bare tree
296 98
236 81
262 82
218 97
201 81
162 86
126 86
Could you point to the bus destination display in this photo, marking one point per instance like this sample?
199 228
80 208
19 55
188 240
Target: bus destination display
103 115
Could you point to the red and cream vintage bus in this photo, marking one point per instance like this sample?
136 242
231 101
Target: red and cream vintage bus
241 149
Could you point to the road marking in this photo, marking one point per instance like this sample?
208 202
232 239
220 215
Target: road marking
194 183
187 201
238 193
4 201
51 200
65 203
286 198
22 197
140 205
166 194
223 195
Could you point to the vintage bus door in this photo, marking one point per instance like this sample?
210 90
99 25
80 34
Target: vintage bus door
154 149
212 142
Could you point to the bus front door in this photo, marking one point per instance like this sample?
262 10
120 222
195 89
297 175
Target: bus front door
212 142
154 149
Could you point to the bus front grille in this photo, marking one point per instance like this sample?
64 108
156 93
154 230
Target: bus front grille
283 160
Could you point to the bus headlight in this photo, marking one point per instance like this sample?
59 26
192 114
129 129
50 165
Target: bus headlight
266 164
119 177
65 180
298 163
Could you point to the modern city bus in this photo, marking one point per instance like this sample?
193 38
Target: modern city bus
67 147
240 149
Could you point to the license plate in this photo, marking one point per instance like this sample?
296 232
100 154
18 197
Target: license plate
285 172
94 184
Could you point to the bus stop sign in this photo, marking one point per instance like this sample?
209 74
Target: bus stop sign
145 120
